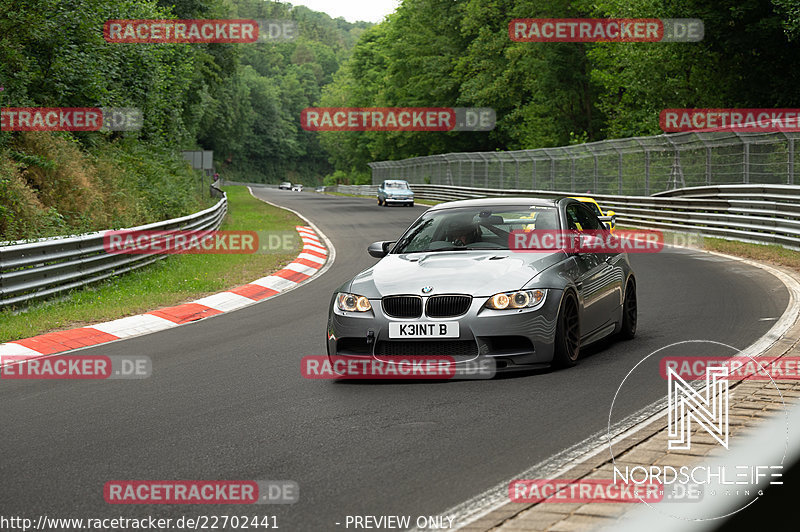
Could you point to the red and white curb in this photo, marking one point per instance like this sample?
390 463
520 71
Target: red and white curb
309 262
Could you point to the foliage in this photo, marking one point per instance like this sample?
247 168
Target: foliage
459 54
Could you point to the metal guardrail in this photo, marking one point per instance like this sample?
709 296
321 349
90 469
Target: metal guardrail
636 165
763 214
35 270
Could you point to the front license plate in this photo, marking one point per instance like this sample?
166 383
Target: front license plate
447 329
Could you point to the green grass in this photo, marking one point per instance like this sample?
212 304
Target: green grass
174 280
767 253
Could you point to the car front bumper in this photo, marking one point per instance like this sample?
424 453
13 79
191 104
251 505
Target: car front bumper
400 200
515 339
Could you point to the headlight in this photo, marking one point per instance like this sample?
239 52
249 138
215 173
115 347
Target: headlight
520 299
353 303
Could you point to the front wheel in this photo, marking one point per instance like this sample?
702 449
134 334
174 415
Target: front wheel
629 312
568 333
380 202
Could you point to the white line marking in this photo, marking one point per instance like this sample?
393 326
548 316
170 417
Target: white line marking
497 496
273 282
314 248
225 301
311 258
134 325
17 350
301 268
331 251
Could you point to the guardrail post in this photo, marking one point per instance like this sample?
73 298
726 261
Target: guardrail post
571 172
746 162
472 174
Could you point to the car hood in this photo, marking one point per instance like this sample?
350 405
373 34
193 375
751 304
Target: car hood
477 273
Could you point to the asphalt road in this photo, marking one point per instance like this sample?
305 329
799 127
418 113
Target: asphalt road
226 399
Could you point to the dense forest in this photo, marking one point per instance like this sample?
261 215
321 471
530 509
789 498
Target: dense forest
244 100
446 53
240 100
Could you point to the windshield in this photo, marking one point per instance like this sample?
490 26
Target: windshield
396 185
474 228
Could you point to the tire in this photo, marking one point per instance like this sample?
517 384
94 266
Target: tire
568 333
629 312
380 202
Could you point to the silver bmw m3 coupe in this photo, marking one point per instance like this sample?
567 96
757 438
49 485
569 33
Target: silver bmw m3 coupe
454 286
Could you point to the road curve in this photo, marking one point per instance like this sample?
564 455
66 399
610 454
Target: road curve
226 399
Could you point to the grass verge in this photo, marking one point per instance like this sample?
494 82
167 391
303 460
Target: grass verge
768 253
174 280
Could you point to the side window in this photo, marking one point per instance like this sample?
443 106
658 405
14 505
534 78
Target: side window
580 218
572 218
588 219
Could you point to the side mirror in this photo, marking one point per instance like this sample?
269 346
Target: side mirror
379 249
609 220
